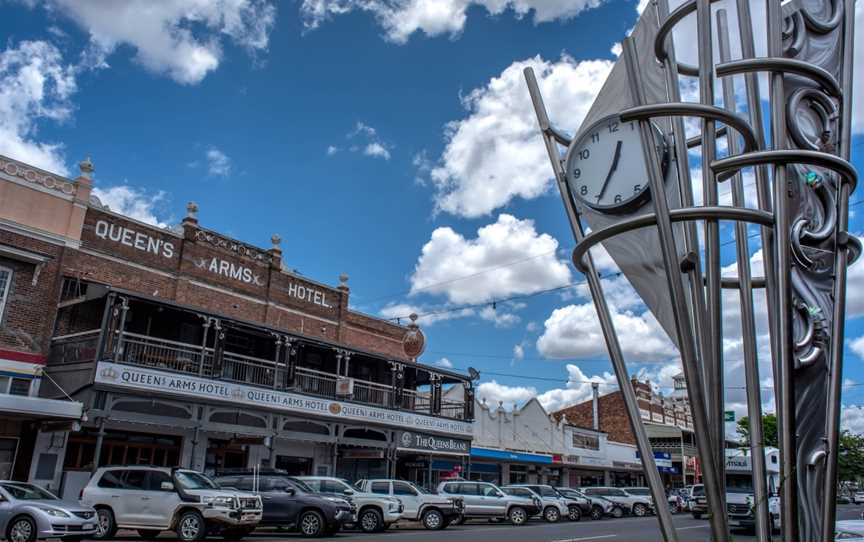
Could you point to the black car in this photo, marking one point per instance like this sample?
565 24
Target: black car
291 504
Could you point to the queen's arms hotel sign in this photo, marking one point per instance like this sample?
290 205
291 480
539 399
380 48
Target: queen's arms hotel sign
201 389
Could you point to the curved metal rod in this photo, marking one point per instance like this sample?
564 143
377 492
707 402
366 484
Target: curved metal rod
782 157
786 65
684 109
665 29
754 216
732 283
558 136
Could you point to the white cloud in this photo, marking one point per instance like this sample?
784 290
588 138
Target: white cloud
402 18
444 363
427 315
479 269
493 393
132 202
852 418
574 332
377 150
218 163
495 153
518 351
578 389
35 84
178 38
857 346
332 149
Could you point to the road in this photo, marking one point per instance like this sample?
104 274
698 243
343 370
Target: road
628 529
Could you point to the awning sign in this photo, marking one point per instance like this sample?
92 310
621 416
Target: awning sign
150 380
422 442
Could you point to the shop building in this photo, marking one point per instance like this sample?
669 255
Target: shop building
31 248
528 445
667 421
186 347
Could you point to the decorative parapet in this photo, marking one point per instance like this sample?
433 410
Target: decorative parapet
37 176
225 243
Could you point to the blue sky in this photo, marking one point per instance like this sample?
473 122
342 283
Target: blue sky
389 139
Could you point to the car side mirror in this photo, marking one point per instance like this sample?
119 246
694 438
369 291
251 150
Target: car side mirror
166 486
348 492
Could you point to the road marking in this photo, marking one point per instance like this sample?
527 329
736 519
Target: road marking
598 537
692 527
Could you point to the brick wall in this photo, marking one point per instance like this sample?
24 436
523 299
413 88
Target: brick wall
613 417
30 309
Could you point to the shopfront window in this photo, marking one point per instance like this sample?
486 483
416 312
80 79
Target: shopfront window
15 386
8 450
518 474
122 448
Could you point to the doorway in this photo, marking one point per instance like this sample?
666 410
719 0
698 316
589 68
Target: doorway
224 455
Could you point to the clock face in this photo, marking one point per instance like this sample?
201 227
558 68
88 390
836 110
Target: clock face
605 167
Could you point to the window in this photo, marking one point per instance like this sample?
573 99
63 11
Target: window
112 479
546 491
5 285
135 479
489 491
381 488
401 488
156 479
586 442
19 386
333 486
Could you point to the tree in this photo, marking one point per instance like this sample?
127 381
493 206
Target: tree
850 459
769 430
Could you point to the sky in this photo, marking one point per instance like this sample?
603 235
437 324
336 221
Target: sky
392 140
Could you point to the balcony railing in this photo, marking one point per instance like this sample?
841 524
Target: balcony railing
146 351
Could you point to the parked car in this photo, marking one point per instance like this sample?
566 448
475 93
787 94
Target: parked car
631 504
672 498
375 513
594 507
29 513
487 501
155 499
553 508
698 501
858 497
739 510
292 505
433 511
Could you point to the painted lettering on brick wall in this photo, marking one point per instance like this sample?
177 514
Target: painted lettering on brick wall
230 270
135 239
310 295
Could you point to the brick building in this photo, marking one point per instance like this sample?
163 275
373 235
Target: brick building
185 346
667 420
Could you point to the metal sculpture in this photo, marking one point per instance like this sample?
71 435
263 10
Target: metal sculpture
647 220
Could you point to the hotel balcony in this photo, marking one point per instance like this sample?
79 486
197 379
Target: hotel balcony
127 329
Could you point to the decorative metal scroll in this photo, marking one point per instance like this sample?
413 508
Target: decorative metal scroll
803 184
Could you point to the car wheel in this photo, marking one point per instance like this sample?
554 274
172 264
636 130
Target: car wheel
617 512
597 512
191 527
106 527
458 520
640 510
311 524
22 529
433 519
370 521
574 513
551 514
517 515
148 533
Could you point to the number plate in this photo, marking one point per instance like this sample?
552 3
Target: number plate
248 517
88 526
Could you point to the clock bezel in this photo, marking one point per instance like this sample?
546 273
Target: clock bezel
631 204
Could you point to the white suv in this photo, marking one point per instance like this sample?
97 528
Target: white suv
155 499
632 504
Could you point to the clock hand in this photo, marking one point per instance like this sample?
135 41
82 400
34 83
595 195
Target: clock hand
611 170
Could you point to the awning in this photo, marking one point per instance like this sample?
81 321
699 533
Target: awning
39 408
507 455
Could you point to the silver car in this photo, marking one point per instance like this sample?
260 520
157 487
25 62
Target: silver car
29 513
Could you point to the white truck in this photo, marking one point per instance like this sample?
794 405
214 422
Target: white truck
739 488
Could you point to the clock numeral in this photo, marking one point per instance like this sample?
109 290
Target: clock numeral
577 173
637 187
595 137
583 190
613 127
618 198
584 154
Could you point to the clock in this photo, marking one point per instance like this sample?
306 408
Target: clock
605 166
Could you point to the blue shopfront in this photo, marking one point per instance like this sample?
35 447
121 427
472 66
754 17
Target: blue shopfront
511 467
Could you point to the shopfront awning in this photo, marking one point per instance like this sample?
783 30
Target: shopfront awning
507 455
39 408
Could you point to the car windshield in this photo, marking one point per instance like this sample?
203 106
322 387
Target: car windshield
739 483
194 480
28 492
698 491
